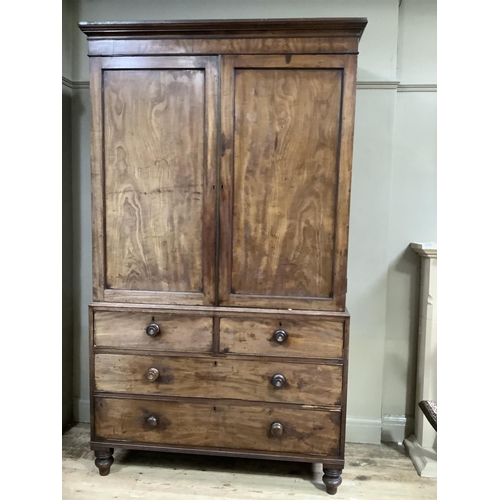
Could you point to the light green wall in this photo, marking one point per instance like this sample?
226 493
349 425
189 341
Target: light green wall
393 190
367 265
413 207
417 42
378 48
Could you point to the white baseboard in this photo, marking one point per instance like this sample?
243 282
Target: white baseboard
362 430
396 428
81 410
424 459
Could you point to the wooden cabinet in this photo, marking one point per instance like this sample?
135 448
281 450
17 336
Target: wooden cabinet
221 170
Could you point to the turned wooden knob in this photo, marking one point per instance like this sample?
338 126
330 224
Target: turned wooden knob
153 374
152 421
280 336
153 329
278 380
277 429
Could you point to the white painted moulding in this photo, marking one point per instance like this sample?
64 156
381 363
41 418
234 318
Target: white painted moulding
422 446
424 459
394 428
428 249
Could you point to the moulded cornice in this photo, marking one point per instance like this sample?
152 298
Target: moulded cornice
227 28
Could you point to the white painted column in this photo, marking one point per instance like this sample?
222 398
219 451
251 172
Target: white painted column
422 446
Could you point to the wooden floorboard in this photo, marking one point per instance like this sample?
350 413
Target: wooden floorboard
373 472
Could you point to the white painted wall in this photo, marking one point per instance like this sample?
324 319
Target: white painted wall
393 191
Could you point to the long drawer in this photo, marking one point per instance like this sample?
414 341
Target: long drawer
219 377
316 338
158 331
223 426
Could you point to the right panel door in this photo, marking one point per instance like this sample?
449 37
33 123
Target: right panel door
286 150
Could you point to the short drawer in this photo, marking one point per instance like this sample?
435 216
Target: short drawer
285 430
167 332
219 377
314 338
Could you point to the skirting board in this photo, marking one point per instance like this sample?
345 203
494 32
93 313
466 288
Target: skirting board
359 430
424 459
363 430
396 428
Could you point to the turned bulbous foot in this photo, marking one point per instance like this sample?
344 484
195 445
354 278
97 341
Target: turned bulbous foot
104 460
332 479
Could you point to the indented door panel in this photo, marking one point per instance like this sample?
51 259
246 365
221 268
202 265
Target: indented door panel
153 124
285 147
281 175
158 176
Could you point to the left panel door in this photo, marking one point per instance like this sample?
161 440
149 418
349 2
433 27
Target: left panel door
153 179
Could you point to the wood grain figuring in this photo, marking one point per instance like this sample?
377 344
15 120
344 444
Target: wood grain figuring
285 155
345 377
154 297
344 188
160 46
97 172
309 338
214 401
127 330
209 243
204 355
228 295
221 426
249 312
154 161
225 179
219 377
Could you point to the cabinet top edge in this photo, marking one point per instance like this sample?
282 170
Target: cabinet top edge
349 26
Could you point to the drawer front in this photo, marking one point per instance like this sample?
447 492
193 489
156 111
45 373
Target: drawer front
127 330
221 426
321 338
217 377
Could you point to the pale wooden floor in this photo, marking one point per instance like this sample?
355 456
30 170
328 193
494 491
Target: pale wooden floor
372 472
